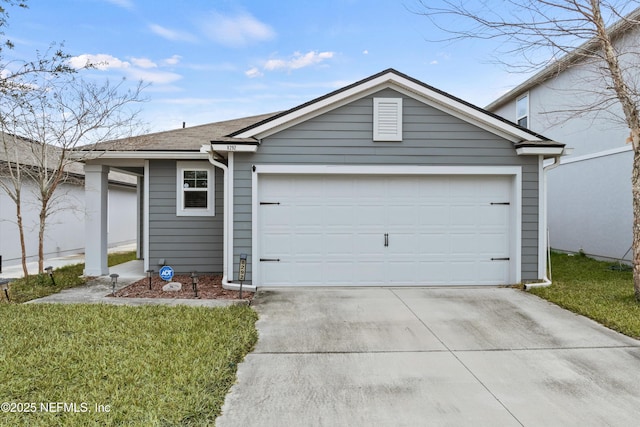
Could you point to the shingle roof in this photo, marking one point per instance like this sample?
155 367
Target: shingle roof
29 153
185 139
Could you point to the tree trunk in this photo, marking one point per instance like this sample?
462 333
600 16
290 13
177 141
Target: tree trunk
43 217
635 190
23 247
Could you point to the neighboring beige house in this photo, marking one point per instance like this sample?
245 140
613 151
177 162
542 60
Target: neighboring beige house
589 197
65 231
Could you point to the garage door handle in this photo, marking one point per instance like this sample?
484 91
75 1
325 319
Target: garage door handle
386 239
270 259
500 259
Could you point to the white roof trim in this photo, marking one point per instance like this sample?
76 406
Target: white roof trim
151 155
229 147
402 84
537 151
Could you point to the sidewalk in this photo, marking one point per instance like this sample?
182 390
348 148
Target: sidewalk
15 271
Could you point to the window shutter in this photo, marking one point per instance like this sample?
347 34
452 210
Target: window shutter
387 119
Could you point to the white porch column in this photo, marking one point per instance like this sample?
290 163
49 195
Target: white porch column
96 187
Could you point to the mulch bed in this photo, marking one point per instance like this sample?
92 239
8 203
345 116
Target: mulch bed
209 287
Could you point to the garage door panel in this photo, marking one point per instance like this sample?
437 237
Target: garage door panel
308 273
280 273
463 271
493 244
368 244
368 214
276 244
434 243
440 230
434 214
275 216
463 214
307 244
435 273
370 272
339 215
339 244
493 215
465 243
487 272
403 244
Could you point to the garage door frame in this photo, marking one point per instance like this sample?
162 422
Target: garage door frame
515 172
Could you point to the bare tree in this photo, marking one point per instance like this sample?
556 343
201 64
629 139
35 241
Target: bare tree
53 63
49 116
46 111
555 35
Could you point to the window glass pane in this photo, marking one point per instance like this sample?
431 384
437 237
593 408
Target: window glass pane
195 179
522 107
195 199
523 122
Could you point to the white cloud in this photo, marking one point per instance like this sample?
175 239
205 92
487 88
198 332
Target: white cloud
127 4
138 68
174 60
298 60
365 52
434 62
100 61
173 35
253 73
143 63
236 31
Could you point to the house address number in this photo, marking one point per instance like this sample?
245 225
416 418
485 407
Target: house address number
231 148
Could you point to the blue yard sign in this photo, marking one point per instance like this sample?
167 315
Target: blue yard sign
166 273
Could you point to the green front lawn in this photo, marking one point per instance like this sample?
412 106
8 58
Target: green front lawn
119 365
591 288
40 285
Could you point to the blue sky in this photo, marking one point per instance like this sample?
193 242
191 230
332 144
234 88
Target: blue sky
208 61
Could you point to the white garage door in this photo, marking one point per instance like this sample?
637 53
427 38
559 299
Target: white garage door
343 230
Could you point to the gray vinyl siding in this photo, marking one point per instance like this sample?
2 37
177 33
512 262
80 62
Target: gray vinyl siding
344 136
187 243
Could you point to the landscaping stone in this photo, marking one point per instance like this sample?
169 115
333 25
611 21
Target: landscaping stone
172 287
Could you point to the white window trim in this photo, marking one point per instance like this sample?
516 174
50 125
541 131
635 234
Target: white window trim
198 165
528 114
387 136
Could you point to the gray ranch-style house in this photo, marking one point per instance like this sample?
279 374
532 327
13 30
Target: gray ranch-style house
387 181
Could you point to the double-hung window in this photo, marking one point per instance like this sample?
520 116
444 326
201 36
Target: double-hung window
522 111
195 194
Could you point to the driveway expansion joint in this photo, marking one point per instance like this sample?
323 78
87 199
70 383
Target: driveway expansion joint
453 353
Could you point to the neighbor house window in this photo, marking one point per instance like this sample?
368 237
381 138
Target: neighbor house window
195 189
522 111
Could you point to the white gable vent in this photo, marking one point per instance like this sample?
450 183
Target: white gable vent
387 119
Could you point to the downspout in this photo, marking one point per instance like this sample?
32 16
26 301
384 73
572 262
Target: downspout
546 281
226 284
225 216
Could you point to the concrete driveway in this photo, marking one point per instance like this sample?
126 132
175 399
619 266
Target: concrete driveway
431 356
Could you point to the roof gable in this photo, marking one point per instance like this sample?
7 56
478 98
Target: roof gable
403 84
578 55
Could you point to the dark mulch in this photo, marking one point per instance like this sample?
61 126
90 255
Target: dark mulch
209 287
